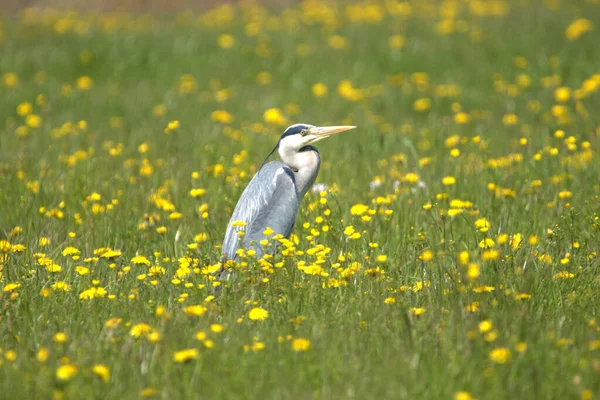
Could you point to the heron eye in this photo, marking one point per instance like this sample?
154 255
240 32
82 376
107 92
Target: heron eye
303 132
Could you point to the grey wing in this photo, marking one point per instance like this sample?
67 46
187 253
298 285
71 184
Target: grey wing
269 200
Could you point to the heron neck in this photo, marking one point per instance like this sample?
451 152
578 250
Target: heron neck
306 165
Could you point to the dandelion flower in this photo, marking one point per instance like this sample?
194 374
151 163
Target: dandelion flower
140 330
226 41
500 355
102 372
111 254
300 344
66 372
426 256
185 355
463 396
319 90
140 260
448 181
10 287
258 314
195 311
417 311
359 209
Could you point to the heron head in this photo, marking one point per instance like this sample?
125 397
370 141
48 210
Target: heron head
298 136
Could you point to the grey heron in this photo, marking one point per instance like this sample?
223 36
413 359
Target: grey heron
273 196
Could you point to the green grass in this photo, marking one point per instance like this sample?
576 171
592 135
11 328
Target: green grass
520 84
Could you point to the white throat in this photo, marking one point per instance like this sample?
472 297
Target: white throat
305 165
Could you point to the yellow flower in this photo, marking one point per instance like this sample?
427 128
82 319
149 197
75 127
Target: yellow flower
93 292
140 330
5 246
24 109
486 243
319 90
263 78
516 241
464 257
81 270
337 42
510 119
52 267
172 126
426 256
521 347
102 372
448 181
258 314
473 271
113 323
201 237
257 346
500 355
84 83
562 94
359 209
70 251
60 337
422 104
275 117
10 79
33 121
463 396
300 344
216 328
578 28
226 41
482 224
148 392
185 355
111 254
462 118
158 111
10 355
221 116
396 42
66 372
347 91
42 355
390 300
485 326
417 311
195 311
586 395
490 255
140 260
10 287
563 275
564 194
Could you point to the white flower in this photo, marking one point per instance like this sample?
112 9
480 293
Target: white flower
319 187
375 184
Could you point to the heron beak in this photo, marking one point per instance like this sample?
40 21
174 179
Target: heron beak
321 132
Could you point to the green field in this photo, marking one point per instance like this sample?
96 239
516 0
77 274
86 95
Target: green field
449 251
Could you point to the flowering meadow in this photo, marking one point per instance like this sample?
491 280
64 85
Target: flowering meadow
448 250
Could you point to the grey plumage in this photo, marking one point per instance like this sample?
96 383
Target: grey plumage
273 196
270 200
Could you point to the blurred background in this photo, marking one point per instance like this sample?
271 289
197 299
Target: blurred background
128 5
